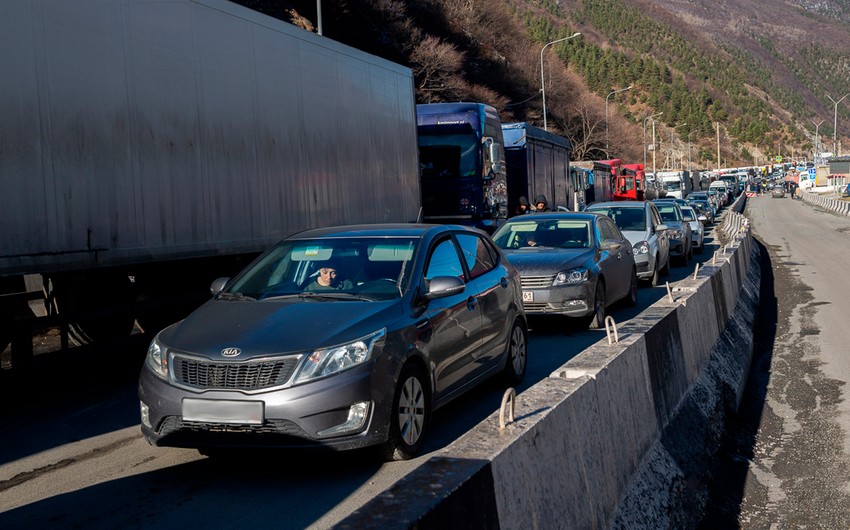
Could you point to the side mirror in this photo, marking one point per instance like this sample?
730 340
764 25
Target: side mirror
217 285
443 286
493 164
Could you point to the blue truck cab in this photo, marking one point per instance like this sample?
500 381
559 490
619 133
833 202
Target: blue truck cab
461 161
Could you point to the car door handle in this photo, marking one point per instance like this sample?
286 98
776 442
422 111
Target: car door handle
471 302
504 282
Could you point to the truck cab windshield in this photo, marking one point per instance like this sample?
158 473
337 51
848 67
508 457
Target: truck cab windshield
447 156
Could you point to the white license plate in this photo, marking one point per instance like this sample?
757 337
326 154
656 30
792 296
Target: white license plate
220 411
528 296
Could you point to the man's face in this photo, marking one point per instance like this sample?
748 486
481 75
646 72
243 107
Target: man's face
541 205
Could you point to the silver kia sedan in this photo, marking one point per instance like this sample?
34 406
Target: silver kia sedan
338 337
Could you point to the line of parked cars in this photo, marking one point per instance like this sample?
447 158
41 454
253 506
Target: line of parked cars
353 336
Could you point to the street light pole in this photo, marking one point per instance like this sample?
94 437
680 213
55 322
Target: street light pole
319 16
606 114
817 141
644 135
542 77
835 124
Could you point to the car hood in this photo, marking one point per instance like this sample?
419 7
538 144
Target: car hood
675 225
270 327
533 261
636 236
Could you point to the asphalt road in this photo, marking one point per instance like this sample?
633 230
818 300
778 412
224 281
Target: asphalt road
71 454
785 462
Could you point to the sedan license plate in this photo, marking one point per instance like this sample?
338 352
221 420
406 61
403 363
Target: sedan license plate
220 411
528 296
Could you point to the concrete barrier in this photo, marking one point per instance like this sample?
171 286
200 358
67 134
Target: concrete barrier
829 204
616 437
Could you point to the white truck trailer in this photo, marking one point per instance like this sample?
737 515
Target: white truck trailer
149 147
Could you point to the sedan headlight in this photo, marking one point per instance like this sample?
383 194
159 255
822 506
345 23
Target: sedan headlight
329 361
641 247
572 276
157 358
677 234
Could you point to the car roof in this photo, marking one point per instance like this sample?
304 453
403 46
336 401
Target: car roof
379 230
556 215
620 204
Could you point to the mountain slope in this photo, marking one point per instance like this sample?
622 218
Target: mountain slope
755 77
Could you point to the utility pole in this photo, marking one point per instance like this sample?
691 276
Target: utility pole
835 123
543 78
654 149
606 114
717 126
817 141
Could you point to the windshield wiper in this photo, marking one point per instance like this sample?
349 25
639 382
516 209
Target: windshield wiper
229 297
334 295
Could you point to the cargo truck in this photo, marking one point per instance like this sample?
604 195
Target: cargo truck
538 163
462 162
147 148
677 183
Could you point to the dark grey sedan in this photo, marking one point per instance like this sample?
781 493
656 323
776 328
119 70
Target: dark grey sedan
573 264
681 240
340 337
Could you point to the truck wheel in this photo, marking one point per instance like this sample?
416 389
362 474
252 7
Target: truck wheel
99 307
6 329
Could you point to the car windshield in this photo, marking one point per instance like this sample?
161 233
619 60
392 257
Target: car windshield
627 219
688 214
669 211
557 233
362 268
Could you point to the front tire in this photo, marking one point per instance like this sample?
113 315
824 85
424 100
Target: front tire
631 297
596 320
517 353
409 416
653 280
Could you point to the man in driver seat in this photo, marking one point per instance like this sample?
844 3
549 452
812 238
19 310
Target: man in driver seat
326 280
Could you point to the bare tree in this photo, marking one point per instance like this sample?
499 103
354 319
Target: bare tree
436 65
585 129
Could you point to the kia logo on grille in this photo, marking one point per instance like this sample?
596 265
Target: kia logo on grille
230 352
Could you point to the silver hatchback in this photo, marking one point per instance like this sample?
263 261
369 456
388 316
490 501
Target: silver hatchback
641 223
338 337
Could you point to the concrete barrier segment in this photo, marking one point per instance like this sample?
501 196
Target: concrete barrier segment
583 449
442 493
670 490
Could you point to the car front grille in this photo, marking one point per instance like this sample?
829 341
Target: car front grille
537 282
532 307
257 375
174 424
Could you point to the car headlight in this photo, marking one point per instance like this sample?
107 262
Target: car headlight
573 276
641 247
157 358
329 361
677 234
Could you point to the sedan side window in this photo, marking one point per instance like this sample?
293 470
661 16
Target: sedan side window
444 261
479 258
608 230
